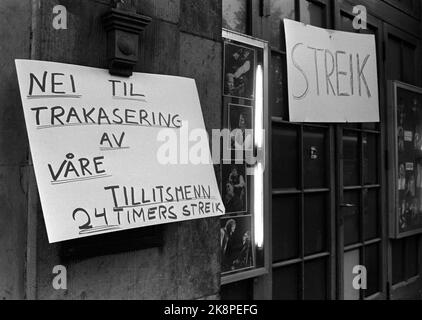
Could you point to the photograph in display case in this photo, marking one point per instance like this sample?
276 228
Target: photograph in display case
239 71
234 188
236 244
241 126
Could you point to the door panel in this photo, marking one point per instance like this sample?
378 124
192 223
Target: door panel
302 177
360 186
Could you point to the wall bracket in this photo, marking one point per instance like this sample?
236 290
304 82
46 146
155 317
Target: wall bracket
123 29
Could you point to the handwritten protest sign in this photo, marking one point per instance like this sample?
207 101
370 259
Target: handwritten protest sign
332 75
94 145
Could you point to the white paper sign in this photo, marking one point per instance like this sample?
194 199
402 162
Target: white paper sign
94 143
332 75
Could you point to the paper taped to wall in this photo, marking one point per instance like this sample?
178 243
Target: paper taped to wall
94 141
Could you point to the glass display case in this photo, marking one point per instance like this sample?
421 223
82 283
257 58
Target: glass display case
245 116
405 173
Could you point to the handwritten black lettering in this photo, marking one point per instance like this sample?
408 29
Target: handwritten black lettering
120 89
125 196
316 50
58 88
87 224
344 72
56 113
340 73
54 84
73 115
82 168
299 68
113 86
328 74
361 75
58 116
37 114
42 86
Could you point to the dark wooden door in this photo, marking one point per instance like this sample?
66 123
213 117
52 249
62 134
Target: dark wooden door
361 177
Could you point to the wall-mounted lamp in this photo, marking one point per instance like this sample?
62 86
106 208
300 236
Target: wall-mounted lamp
123 26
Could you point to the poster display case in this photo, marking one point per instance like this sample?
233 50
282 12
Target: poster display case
243 167
405 156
